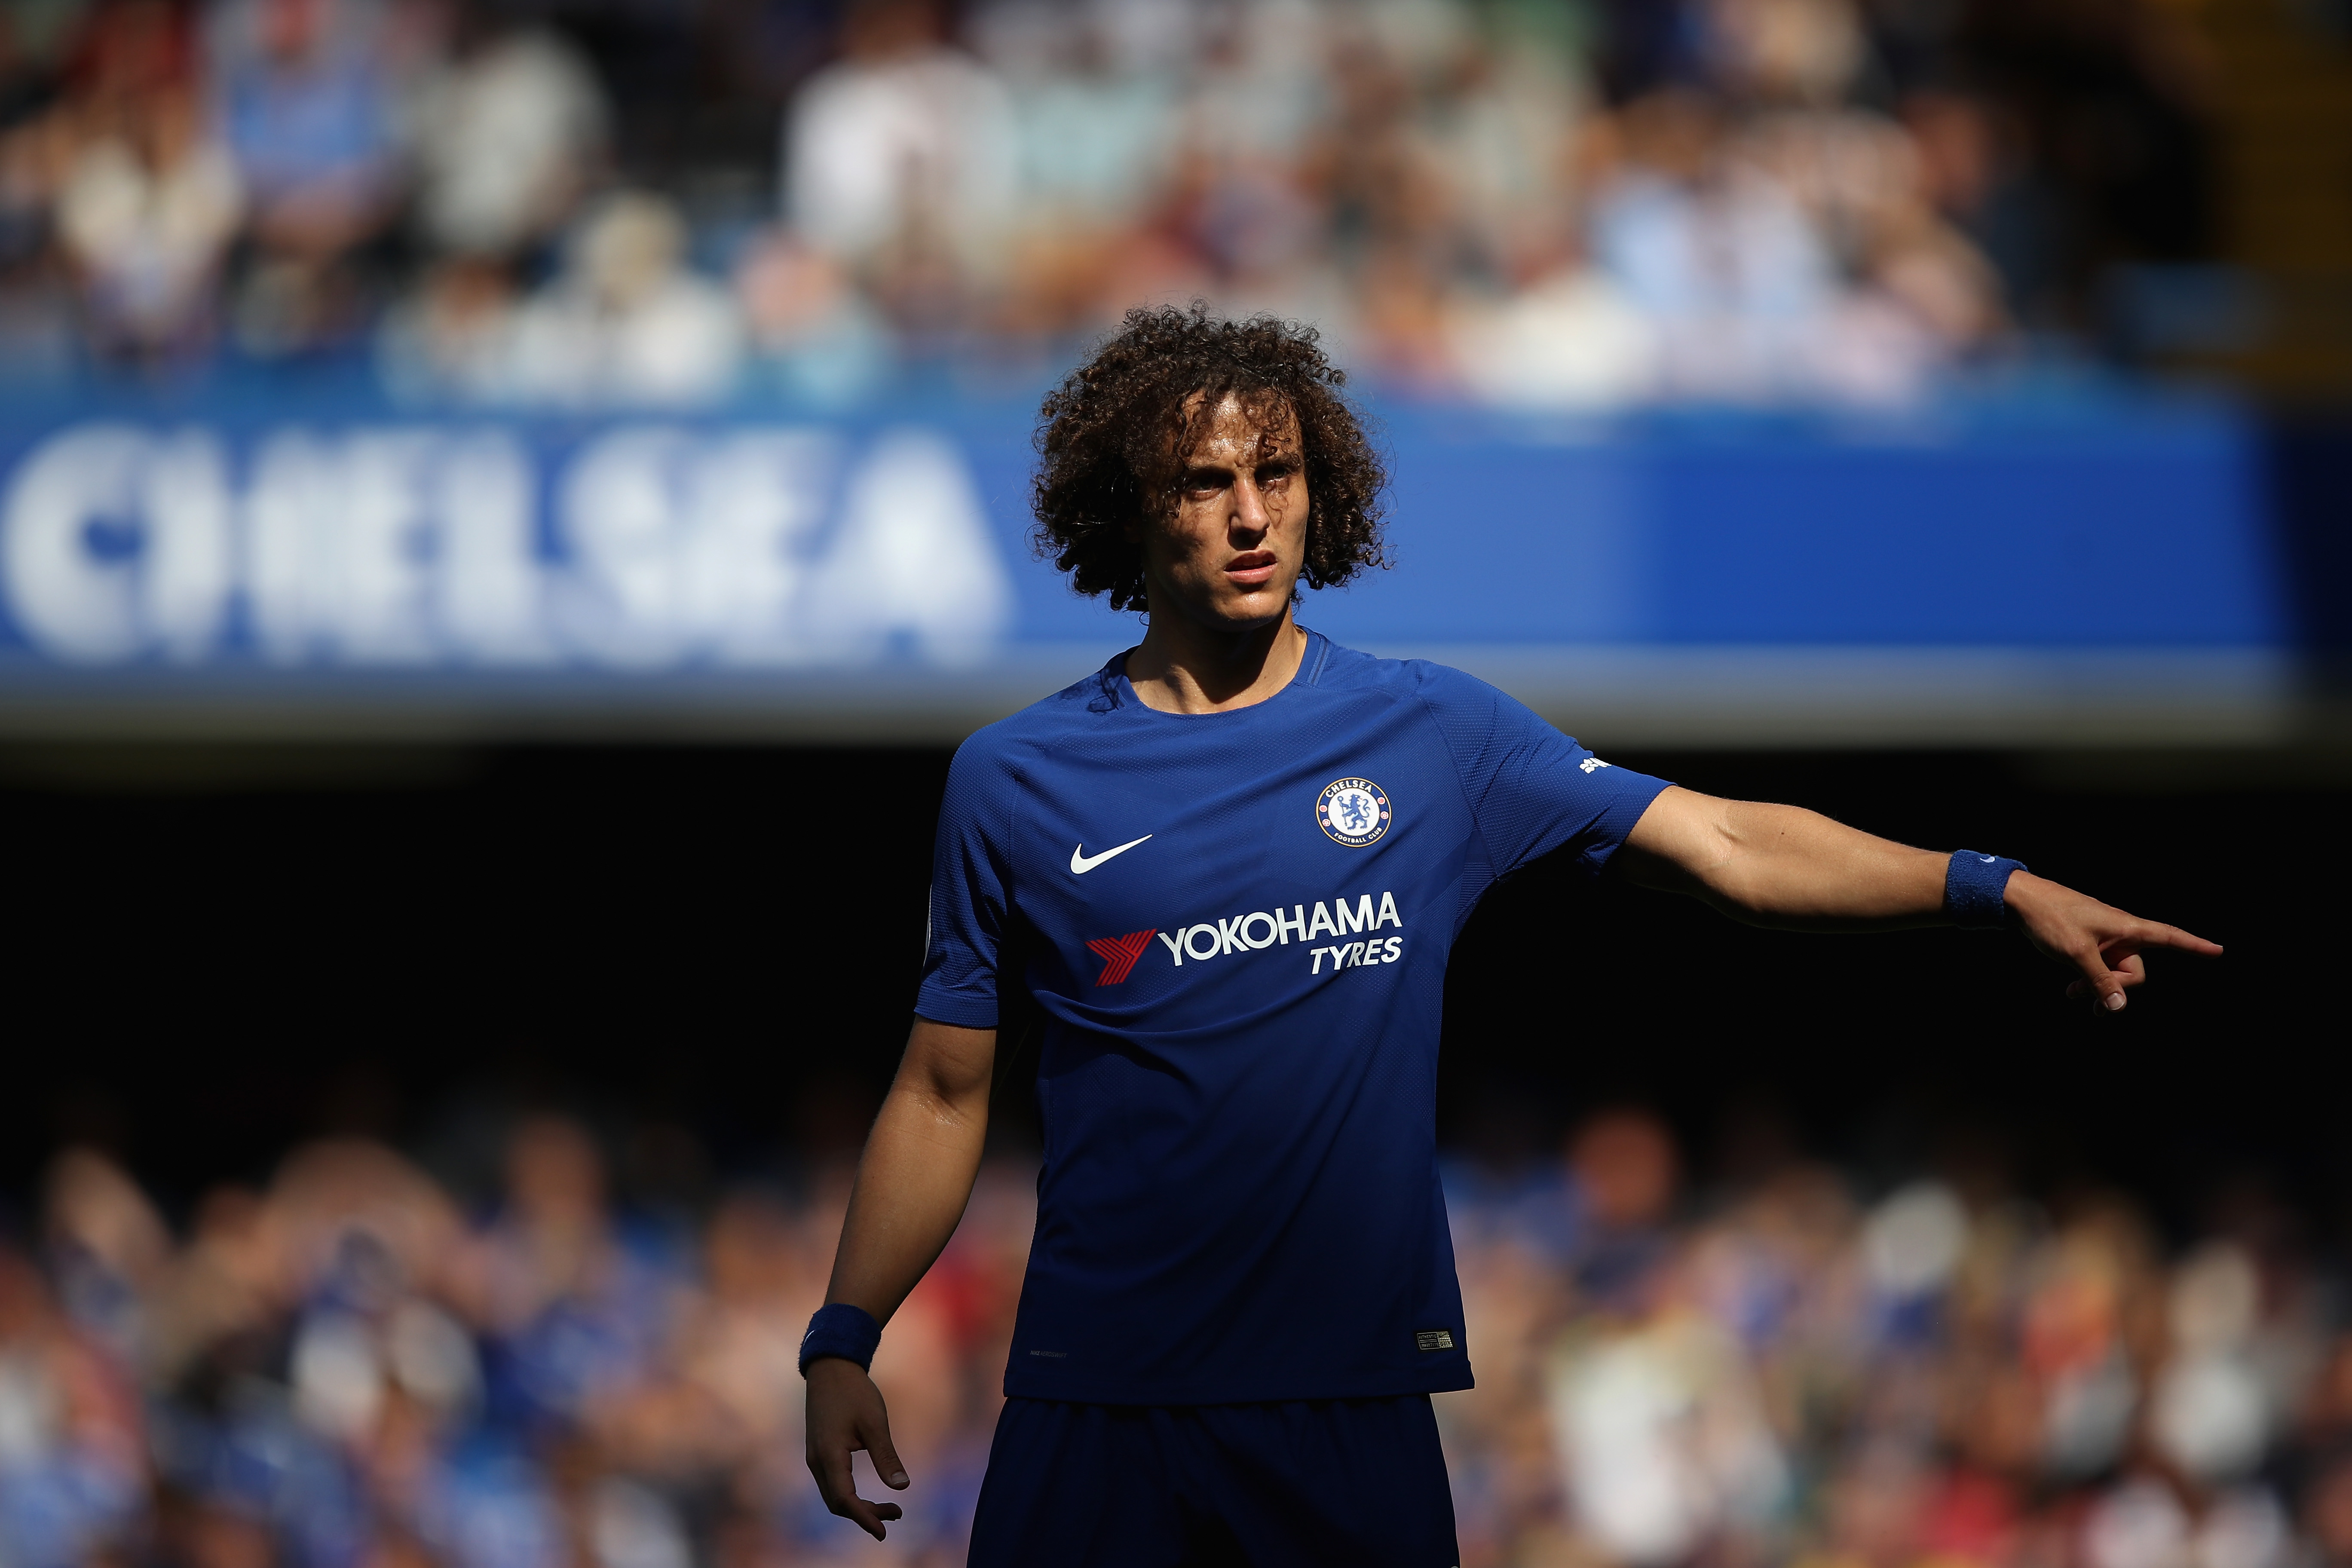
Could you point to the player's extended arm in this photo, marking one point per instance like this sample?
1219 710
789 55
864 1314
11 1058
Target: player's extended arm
1784 866
913 1182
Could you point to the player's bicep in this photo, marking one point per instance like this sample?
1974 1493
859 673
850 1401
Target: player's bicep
1680 835
947 1063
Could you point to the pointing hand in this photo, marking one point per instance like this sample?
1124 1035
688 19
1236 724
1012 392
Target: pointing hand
2099 940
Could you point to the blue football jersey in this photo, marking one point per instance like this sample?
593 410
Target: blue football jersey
1237 926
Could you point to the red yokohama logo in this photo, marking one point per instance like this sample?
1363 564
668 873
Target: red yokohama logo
1119 954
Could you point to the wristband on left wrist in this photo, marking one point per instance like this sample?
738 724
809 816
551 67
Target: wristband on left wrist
1975 888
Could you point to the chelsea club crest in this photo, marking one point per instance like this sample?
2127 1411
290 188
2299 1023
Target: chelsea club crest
1353 812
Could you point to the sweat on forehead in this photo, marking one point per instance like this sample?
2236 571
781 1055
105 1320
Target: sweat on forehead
1261 419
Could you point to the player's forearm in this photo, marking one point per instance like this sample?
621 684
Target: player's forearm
917 1173
1787 867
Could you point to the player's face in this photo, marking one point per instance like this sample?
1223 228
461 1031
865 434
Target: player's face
1229 554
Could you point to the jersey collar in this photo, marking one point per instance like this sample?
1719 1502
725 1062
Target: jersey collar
1117 691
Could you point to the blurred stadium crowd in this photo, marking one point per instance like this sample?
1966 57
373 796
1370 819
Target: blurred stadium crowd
1562 203
352 1368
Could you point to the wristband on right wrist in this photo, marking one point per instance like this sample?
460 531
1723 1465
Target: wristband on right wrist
1973 888
840 1330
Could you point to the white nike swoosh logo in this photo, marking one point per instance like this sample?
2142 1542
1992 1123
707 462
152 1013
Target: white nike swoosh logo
1081 862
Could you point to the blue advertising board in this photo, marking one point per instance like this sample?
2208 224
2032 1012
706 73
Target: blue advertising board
1954 573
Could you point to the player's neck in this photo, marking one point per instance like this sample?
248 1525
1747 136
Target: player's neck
1183 667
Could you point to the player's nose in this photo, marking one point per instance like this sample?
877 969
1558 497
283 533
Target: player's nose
1249 508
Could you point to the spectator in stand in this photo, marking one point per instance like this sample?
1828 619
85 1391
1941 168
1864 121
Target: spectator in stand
628 322
1248 200
1974 173
452 339
1716 256
342 1369
901 163
509 130
107 1251
560 1280
822 340
1781 241
79 75
1532 201
1623 1172
308 109
1094 102
73 1458
1504 121
147 213
1917 293
740 1351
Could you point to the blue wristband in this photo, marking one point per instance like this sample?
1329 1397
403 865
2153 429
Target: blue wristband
840 1330
1973 885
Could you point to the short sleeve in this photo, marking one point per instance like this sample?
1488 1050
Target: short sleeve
1531 789
968 894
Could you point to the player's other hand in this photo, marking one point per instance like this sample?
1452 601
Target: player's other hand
2101 940
845 1414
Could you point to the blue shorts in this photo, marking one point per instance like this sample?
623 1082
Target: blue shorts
1359 1482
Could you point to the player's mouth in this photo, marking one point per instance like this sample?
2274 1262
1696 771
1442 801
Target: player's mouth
1253 569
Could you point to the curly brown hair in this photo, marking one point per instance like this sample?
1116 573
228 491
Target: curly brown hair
1113 437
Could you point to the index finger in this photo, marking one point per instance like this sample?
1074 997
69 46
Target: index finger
2151 934
838 1486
